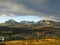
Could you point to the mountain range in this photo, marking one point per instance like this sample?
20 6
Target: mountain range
12 22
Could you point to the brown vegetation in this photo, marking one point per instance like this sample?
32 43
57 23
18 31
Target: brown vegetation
32 42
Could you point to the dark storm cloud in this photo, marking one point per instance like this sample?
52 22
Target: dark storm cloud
42 8
45 6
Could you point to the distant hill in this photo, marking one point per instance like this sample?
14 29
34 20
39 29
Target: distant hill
11 21
27 22
48 23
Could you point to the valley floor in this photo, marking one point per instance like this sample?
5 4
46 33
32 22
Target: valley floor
32 42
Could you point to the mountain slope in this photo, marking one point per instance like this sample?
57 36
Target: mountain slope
11 21
48 23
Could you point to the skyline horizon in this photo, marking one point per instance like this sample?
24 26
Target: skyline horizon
27 20
19 18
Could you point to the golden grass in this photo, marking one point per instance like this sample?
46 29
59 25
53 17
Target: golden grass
33 42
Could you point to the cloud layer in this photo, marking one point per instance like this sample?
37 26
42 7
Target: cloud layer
41 8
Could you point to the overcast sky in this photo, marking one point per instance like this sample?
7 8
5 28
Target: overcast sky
47 9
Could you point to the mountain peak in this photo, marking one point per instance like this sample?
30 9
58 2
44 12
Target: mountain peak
11 21
46 22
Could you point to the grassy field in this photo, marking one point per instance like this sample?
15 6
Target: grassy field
32 42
